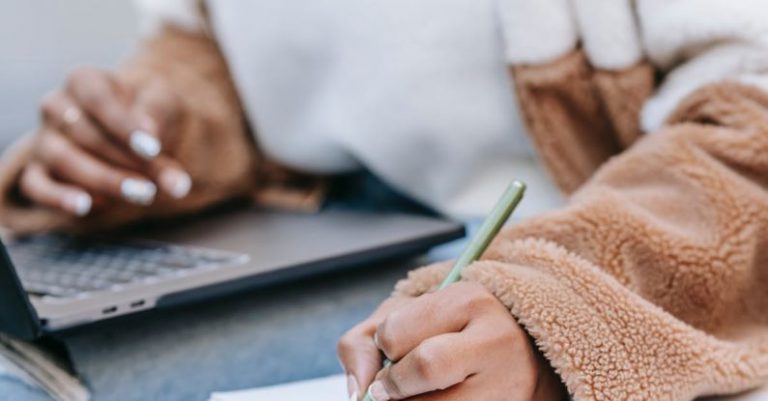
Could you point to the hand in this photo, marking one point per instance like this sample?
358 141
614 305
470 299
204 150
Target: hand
102 142
460 343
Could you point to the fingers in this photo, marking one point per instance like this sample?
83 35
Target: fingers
357 352
165 171
430 315
444 344
37 185
467 391
437 364
61 112
360 358
485 348
103 98
162 107
73 165
170 176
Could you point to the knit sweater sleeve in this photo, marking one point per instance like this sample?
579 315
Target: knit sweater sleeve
650 284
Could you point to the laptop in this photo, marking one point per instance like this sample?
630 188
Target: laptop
52 283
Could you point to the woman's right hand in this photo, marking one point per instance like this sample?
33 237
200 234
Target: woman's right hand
103 143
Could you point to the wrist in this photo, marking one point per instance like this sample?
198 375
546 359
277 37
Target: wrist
549 387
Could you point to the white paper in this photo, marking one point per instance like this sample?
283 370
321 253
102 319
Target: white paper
333 388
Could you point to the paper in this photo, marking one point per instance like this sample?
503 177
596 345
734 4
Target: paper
332 388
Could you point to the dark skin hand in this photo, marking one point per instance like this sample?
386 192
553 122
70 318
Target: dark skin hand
103 142
458 344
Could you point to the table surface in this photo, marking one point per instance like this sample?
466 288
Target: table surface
279 335
263 337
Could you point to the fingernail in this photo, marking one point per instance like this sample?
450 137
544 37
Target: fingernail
376 340
353 397
377 392
78 203
176 182
140 192
145 145
352 387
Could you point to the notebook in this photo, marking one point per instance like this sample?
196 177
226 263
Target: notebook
334 388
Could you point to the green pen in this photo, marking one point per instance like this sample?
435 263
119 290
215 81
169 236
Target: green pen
485 234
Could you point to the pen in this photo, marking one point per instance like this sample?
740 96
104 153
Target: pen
479 243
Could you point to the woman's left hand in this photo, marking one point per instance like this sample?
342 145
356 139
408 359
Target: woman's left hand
460 343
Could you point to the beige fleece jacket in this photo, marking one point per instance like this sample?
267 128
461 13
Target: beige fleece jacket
648 286
651 284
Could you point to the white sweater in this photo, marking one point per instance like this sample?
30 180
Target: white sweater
418 91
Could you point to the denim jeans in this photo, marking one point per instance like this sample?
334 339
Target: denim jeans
264 337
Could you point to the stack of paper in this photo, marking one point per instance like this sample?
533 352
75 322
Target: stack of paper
37 367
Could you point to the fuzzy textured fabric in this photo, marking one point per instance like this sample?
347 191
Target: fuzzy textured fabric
181 14
312 113
550 22
623 94
693 43
651 284
577 117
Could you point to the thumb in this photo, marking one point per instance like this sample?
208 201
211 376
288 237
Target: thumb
360 358
358 352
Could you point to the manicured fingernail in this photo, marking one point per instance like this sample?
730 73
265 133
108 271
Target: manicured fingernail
376 340
78 203
352 387
145 145
377 392
140 192
176 182
353 397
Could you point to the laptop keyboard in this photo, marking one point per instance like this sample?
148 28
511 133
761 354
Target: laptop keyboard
62 267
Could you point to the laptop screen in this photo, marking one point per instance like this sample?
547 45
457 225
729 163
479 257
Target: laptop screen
17 317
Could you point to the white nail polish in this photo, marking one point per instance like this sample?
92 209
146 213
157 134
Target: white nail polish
145 145
353 397
78 203
140 192
176 182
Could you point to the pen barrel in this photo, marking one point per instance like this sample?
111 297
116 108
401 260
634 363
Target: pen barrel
487 231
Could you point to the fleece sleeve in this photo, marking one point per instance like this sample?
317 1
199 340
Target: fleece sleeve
651 284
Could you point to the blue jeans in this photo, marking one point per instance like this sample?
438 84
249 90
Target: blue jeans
265 337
